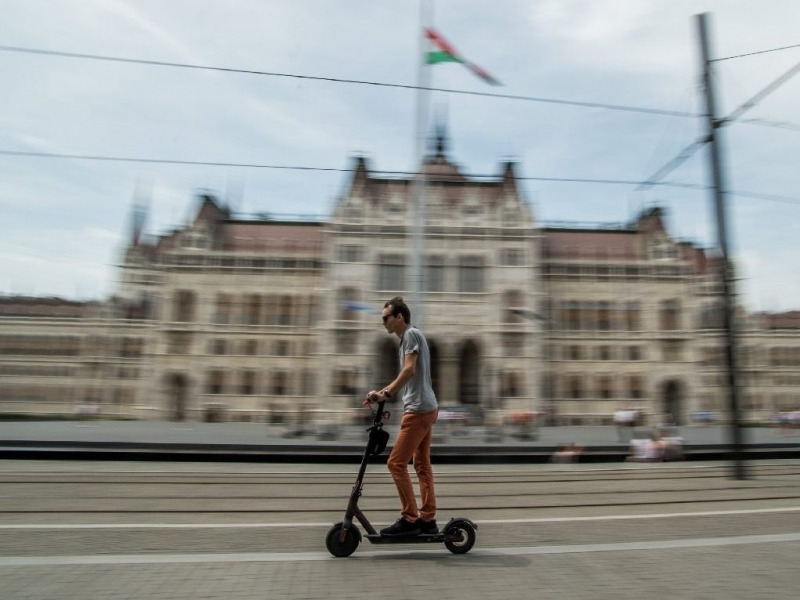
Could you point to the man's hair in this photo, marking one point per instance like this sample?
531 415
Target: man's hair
399 307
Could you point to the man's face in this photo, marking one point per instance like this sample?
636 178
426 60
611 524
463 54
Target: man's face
390 321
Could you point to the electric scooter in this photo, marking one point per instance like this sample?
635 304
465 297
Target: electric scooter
458 535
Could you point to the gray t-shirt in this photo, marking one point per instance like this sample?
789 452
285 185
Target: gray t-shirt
418 396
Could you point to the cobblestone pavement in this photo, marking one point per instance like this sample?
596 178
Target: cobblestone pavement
581 532
748 571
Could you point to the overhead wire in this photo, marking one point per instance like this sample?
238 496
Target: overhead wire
674 184
161 63
654 179
756 53
732 117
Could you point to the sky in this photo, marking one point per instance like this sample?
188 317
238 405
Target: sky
65 220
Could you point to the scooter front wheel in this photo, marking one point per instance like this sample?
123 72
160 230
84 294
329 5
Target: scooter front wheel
341 547
459 537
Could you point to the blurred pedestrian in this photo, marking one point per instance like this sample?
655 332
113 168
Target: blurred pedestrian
624 420
567 453
654 447
637 448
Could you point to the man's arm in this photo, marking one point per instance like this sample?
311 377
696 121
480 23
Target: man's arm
405 375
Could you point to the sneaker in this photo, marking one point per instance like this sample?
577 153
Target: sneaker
428 527
400 528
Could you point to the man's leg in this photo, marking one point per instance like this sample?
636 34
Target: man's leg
422 465
412 432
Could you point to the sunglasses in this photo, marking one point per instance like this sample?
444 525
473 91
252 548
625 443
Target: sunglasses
385 318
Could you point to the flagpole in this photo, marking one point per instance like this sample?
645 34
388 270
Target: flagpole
417 238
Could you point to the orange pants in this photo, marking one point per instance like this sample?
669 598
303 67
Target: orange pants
414 441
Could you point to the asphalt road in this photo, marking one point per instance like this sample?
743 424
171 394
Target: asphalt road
77 530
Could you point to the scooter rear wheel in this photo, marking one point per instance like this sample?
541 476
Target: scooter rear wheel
459 537
342 547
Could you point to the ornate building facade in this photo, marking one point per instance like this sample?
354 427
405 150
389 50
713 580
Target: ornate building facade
233 318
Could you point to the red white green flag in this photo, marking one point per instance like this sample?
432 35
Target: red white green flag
444 52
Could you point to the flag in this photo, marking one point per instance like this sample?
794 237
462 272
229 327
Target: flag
444 52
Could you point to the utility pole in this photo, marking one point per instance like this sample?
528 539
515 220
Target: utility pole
725 271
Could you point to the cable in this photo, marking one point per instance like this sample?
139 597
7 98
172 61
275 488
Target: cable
755 53
168 161
682 157
770 197
770 123
761 95
675 184
732 117
618 107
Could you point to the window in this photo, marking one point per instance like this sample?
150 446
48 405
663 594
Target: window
634 353
179 342
605 387
251 347
512 257
307 383
391 272
633 320
346 341
711 316
134 347
573 316
669 315
471 208
604 322
218 347
215 384
574 353
512 299
513 344
286 315
434 274
470 274
635 387
344 382
223 308
281 347
183 306
248 386
574 387
604 353
663 250
350 253
672 351
510 384
280 383
253 314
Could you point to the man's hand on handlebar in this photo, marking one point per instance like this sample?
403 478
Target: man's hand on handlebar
377 396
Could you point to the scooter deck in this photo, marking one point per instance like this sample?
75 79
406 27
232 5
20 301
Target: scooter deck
421 538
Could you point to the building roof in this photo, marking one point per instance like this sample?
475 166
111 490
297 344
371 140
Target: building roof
27 306
785 320
589 244
276 236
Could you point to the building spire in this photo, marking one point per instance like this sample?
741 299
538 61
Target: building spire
439 140
141 207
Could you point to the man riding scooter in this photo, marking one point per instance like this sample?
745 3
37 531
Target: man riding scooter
420 410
